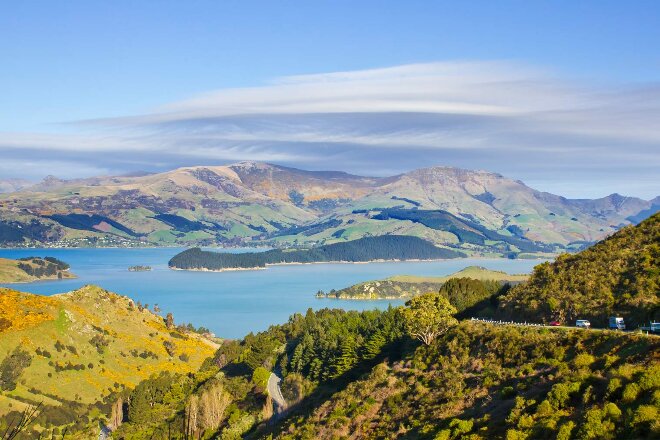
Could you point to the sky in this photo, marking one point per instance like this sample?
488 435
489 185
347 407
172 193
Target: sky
562 95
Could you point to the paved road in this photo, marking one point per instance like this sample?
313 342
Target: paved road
276 393
104 432
531 324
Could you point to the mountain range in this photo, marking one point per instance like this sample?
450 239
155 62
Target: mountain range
252 203
95 364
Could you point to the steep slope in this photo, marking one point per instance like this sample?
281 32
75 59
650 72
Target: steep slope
503 204
74 350
618 276
485 382
320 191
256 203
358 375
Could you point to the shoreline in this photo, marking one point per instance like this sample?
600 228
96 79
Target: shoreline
416 260
352 298
38 280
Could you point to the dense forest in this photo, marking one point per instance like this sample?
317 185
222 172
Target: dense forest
387 247
362 373
618 276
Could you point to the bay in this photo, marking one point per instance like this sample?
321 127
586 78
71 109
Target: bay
232 304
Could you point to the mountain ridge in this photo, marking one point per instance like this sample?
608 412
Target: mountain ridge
254 203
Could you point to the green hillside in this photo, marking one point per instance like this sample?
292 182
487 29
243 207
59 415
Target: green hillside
30 269
618 276
359 375
405 286
485 382
77 350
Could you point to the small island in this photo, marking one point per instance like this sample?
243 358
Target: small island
139 268
28 269
406 286
367 249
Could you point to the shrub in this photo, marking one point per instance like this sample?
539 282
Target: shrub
630 392
260 377
12 367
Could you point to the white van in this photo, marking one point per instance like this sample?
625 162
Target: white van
582 323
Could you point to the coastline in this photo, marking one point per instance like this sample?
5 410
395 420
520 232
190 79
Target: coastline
415 260
229 269
379 298
38 280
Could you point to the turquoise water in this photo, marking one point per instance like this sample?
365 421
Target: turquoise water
233 304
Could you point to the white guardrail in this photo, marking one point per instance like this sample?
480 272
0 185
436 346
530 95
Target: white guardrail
641 330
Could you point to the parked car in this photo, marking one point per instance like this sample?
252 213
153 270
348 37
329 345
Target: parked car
617 323
582 323
555 323
653 327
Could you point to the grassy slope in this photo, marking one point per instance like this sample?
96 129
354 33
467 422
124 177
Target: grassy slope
74 318
619 275
11 273
501 382
403 286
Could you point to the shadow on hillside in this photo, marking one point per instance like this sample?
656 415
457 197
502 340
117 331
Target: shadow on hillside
392 352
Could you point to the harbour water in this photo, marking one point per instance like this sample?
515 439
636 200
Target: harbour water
233 304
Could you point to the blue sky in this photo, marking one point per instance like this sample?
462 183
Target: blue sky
567 90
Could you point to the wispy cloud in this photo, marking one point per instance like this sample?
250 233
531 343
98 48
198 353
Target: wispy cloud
575 138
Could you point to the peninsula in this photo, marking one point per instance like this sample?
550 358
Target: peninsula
406 286
381 248
30 269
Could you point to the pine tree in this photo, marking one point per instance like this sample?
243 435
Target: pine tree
374 345
348 356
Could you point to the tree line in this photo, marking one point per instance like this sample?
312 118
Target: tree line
386 247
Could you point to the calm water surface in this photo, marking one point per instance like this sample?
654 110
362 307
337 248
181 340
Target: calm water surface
233 304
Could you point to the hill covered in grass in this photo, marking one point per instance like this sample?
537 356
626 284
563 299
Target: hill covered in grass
486 382
77 351
618 276
386 247
359 375
30 269
405 286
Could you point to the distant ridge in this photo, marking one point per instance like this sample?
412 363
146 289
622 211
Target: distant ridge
253 203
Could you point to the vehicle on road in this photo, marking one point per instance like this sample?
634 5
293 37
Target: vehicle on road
616 323
582 323
653 327
555 323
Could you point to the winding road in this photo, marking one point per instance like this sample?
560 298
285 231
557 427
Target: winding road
275 393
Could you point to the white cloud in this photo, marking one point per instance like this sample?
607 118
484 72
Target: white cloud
506 117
